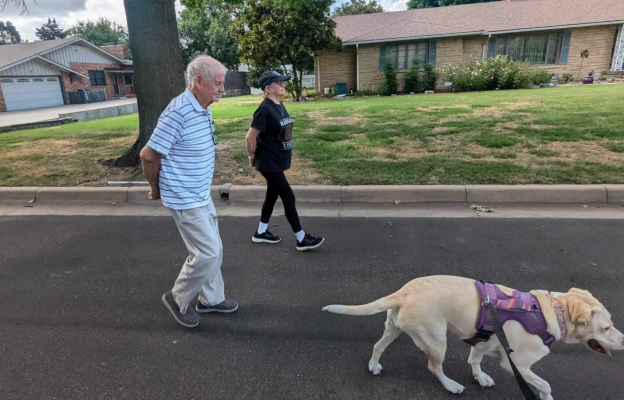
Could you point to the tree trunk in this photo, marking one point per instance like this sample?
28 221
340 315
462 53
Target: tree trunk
301 81
296 80
157 65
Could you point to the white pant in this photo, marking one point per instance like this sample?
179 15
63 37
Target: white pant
201 272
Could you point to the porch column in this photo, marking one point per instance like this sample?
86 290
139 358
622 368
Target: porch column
618 54
357 65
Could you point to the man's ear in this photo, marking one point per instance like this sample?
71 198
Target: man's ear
580 312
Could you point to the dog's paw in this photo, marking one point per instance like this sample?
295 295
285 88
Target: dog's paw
454 387
484 379
374 367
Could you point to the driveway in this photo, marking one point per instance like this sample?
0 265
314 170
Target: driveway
44 114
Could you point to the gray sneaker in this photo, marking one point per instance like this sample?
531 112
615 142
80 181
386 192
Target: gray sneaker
226 306
190 319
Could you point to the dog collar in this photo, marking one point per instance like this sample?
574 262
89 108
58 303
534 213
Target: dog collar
560 312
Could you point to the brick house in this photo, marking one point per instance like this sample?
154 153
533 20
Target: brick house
50 73
549 33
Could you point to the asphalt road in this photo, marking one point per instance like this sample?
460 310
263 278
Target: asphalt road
81 315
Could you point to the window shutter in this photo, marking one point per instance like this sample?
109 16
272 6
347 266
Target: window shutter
382 58
492 48
433 49
565 48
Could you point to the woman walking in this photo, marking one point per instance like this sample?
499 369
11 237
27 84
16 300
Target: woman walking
269 144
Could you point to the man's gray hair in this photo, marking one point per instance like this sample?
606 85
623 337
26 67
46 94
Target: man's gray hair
204 66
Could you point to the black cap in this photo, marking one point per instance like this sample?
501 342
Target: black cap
271 76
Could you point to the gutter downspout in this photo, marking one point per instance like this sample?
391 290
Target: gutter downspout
617 63
357 62
319 73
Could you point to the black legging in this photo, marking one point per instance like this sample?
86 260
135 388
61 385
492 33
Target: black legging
277 185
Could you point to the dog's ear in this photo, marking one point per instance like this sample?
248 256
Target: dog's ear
580 291
580 312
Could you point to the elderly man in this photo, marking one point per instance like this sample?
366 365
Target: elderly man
178 162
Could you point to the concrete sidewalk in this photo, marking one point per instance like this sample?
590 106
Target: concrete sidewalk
48 113
408 194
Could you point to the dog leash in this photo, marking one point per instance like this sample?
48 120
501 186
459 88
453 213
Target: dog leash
500 334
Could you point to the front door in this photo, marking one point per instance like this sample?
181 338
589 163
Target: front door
115 83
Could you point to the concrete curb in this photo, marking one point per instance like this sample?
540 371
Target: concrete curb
105 112
35 125
479 194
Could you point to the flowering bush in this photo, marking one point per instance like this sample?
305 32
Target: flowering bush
494 73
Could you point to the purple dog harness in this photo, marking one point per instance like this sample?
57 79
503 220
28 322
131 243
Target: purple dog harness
521 307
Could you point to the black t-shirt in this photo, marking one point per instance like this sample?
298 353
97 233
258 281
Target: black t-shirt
274 143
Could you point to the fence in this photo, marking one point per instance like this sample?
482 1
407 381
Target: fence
86 96
236 83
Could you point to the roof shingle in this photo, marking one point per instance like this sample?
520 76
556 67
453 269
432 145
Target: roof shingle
12 53
477 18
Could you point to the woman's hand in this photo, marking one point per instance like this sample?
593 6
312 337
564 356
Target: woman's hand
250 140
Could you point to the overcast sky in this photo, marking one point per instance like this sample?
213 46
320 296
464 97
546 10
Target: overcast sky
67 12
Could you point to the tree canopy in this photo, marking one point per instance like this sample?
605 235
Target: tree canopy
414 4
9 34
206 31
355 7
50 31
101 32
269 32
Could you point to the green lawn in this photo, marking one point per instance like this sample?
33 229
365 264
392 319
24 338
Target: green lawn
562 135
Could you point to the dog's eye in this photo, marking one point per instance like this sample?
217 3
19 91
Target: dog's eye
607 328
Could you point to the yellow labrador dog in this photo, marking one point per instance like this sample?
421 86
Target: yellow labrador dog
425 307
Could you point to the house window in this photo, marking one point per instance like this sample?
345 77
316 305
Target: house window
97 78
403 55
543 48
128 79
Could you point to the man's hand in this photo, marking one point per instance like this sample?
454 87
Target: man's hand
252 161
151 168
154 194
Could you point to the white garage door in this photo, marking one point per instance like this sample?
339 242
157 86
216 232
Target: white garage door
25 93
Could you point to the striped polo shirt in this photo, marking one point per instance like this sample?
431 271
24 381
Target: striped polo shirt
184 138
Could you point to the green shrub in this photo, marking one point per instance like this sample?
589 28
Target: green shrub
419 80
429 77
365 92
541 77
567 78
411 82
392 84
494 73
310 93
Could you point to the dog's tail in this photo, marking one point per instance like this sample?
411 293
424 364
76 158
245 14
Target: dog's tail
383 304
